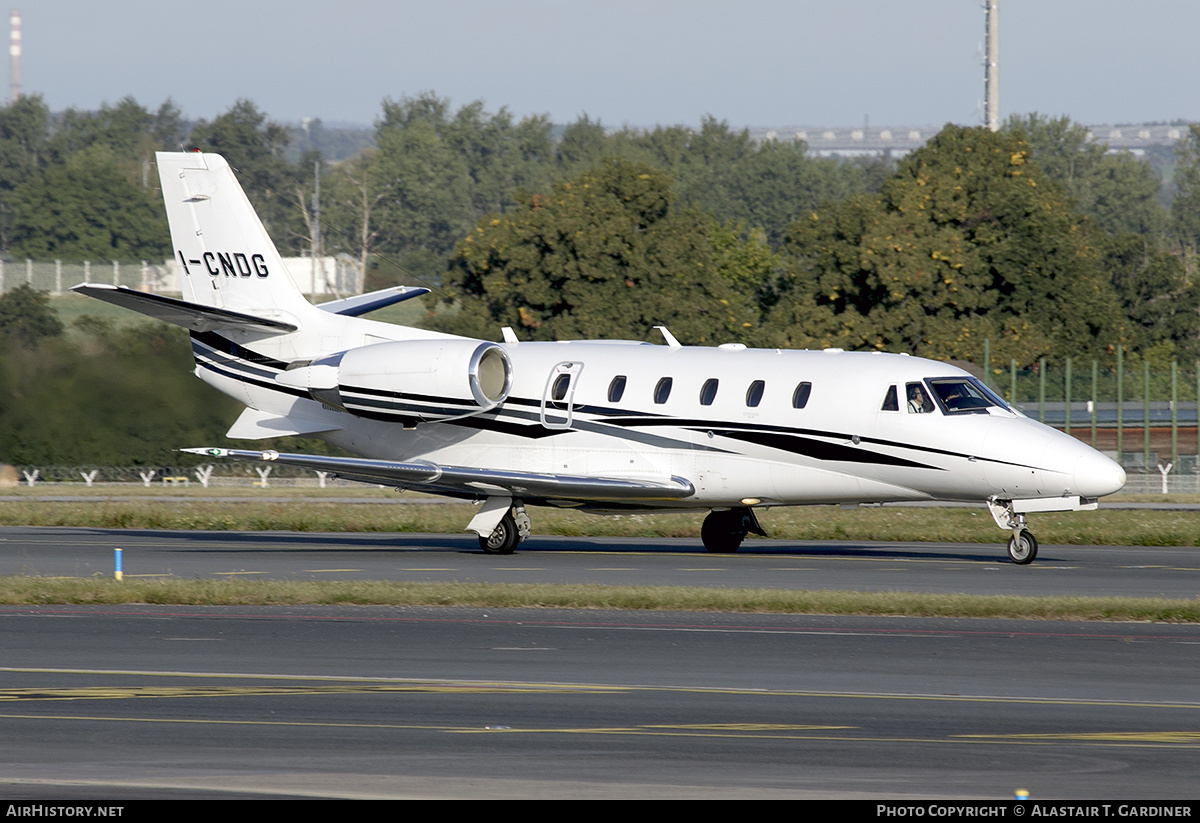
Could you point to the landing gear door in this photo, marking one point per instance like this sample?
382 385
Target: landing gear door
558 398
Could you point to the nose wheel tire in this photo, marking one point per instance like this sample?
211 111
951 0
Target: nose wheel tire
1022 547
503 539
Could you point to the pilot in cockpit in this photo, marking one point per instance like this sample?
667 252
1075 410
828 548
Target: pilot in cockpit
918 400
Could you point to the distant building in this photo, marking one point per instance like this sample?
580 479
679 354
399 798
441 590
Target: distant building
858 141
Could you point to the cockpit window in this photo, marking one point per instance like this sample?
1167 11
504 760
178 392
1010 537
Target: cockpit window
964 395
918 399
889 400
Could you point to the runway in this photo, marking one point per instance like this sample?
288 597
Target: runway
143 701
402 703
838 565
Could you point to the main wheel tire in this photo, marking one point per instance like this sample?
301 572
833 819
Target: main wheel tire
720 533
1022 547
503 539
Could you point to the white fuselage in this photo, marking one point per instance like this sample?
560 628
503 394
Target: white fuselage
843 445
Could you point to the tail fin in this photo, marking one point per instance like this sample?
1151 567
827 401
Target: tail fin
226 258
232 277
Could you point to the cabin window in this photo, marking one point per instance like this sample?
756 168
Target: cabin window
616 388
800 395
663 390
754 393
708 392
559 390
918 399
889 400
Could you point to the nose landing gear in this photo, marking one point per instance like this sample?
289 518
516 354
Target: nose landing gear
1022 546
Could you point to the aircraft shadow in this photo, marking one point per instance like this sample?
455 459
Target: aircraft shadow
375 542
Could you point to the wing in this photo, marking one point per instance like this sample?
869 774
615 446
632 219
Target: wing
472 482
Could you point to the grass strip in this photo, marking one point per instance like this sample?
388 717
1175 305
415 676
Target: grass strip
1112 527
31 591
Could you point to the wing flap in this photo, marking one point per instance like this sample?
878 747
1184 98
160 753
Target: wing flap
471 481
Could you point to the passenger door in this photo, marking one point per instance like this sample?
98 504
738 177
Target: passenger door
559 395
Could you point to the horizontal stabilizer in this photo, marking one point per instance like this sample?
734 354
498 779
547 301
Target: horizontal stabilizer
470 481
259 425
189 315
360 304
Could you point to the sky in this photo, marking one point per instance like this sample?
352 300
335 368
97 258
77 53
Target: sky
625 62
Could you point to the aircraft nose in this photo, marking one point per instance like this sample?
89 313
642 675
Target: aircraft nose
1096 475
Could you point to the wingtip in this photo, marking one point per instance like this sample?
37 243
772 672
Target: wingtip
205 451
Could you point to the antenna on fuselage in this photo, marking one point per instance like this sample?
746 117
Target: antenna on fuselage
670 338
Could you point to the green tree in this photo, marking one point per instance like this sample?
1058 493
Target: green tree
255 147
967 240
332 144
132 398
582 146
126 129
1120 193
36 150
779 182
87 209
602 255
427 197
744 260
26 316
1185 208
1160 300
501 155
436 172
722 171
1117 190
168 127
24 152
353 195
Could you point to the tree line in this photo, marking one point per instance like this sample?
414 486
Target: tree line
428 176
1032 241
1033 238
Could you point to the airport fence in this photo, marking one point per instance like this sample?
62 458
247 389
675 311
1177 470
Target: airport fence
57 277
1143 414
281 477
334 276
229 475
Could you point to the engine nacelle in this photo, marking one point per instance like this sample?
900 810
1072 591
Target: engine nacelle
409 380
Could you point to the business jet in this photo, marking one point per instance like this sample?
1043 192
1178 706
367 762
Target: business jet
607 426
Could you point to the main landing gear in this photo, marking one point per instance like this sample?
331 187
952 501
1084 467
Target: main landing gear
513 527
1022 546
724 530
